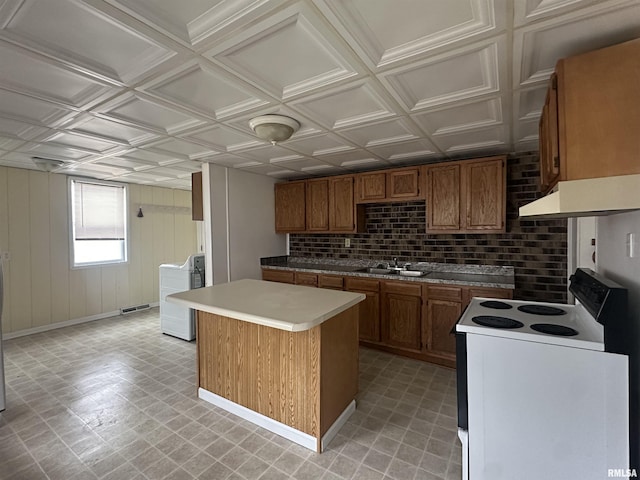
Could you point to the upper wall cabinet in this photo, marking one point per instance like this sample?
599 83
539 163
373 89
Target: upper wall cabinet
590 123
467 196
325 205
443 198
290 207
402 184
197 208
463 197
317 205
548 134
371 187
342 209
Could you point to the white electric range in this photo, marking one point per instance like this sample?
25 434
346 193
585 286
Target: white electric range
543 388
552 323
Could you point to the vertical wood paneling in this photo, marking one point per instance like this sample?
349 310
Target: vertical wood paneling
338 366
108 286
59 228
4 246
20 248
169 226
34 228
268 370
184 232
77 294
93 298
40 245
148 279
123 287
135 247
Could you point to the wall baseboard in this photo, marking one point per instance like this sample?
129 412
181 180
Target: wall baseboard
66 323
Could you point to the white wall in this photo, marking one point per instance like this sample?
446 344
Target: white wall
239 211
612 262
611 254
41 289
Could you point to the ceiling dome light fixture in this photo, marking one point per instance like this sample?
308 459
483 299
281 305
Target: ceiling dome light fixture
47 164
274 128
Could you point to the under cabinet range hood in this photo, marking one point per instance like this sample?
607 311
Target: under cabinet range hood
587 197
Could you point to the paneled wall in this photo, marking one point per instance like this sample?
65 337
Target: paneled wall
42 289
536 248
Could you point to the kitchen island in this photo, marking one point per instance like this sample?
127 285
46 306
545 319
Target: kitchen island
284 357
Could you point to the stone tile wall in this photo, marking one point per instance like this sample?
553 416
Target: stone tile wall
536 248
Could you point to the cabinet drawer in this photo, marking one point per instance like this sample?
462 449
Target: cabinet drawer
278 276
365 284
412 289
330 281
490 292
309 279
445 293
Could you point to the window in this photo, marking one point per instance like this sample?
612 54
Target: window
98 222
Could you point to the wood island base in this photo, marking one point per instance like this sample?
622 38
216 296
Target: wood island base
300 385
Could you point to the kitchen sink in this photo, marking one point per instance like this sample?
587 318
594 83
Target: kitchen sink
379 271
413 273
391 271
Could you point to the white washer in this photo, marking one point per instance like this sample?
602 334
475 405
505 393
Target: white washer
176 320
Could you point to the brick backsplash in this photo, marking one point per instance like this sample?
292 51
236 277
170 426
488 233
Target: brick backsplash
536 248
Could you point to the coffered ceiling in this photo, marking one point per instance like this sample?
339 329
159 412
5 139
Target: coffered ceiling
144 91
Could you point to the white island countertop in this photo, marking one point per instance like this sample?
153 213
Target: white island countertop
278 305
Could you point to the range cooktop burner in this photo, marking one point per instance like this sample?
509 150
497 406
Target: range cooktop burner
496 304
554 329
541 310
497 322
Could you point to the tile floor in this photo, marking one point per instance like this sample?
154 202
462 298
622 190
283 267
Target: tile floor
115 399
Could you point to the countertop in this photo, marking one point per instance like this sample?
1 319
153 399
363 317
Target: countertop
287 307
488 276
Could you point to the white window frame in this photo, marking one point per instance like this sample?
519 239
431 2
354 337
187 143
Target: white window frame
72 262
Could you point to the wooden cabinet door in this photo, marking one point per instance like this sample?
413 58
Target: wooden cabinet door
403 184
485 195
290 207
599 117
402 315
548 138
282 276
442 315
369 320
443 203
371 186
318 205
197 210
341 204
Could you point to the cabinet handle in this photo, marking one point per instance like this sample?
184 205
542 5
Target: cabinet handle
556 162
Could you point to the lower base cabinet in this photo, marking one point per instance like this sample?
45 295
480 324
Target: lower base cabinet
413 319
444 307
402 315
369 321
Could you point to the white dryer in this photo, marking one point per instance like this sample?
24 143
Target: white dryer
176 320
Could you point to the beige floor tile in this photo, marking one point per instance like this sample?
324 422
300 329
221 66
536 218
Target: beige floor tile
115 399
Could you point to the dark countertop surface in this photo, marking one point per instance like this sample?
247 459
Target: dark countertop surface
489 276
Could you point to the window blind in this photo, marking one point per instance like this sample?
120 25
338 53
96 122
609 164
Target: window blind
98 211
